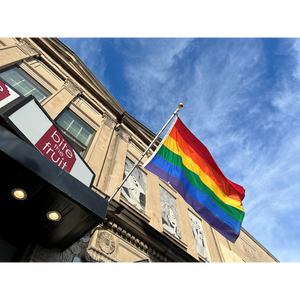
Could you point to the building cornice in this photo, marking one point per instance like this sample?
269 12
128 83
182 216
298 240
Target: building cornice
83 69
66 58
144 235
57 51
145 134
259 244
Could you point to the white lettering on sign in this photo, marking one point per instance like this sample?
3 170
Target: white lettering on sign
53 145
32 122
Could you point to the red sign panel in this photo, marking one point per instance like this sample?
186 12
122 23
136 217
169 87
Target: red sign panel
29 119
53 145
4 92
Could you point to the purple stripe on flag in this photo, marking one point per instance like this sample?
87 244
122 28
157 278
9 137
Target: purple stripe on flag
223 228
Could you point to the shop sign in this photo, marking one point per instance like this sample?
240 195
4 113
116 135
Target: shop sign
29 119
7 95
53 145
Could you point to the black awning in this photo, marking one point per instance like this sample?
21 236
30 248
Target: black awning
48 188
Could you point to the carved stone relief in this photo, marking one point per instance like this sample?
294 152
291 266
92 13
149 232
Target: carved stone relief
106 242
42 254
124 134
26 48
72 87
250 250
108 120
93 254
169 212
136 242
199 236
100 253
86 238
134 189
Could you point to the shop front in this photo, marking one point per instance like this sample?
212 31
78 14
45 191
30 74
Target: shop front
46 198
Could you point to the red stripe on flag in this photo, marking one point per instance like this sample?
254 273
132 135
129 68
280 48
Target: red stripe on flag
203 152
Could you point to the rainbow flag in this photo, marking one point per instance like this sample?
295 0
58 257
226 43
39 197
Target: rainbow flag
184 162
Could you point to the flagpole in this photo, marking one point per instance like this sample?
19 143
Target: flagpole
180 106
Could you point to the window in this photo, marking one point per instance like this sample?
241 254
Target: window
199 236
77 131
134 188
169 213
24 84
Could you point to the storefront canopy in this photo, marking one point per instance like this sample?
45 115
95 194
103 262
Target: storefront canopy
48 188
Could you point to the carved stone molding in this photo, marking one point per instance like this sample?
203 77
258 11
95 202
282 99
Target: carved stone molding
250 250
71 87
88 257
109 121
252 253
42 254
86 238
51 256
124 134
76 248
33 261
28 49
93 254
106 242
134 241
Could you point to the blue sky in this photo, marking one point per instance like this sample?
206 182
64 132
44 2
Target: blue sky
241 99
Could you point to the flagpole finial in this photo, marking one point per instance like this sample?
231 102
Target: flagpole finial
180 105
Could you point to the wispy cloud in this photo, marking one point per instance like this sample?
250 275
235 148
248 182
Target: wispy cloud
241 100
250 129
148 68
272 178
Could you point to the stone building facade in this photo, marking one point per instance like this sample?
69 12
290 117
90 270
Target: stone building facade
137 226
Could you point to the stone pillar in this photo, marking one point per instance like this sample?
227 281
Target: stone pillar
112 174
12 52
153 202
98 151
59 100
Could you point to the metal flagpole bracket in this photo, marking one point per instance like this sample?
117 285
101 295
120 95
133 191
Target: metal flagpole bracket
180 106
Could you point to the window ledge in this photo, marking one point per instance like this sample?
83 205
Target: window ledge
174 239
136 211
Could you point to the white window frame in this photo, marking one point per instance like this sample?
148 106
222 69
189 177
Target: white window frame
36 86
76 143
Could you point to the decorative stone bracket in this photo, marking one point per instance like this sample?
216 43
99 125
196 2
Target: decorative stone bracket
123 133
108 120
27 48
72 88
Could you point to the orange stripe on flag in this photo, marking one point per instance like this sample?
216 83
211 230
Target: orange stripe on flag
220 181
